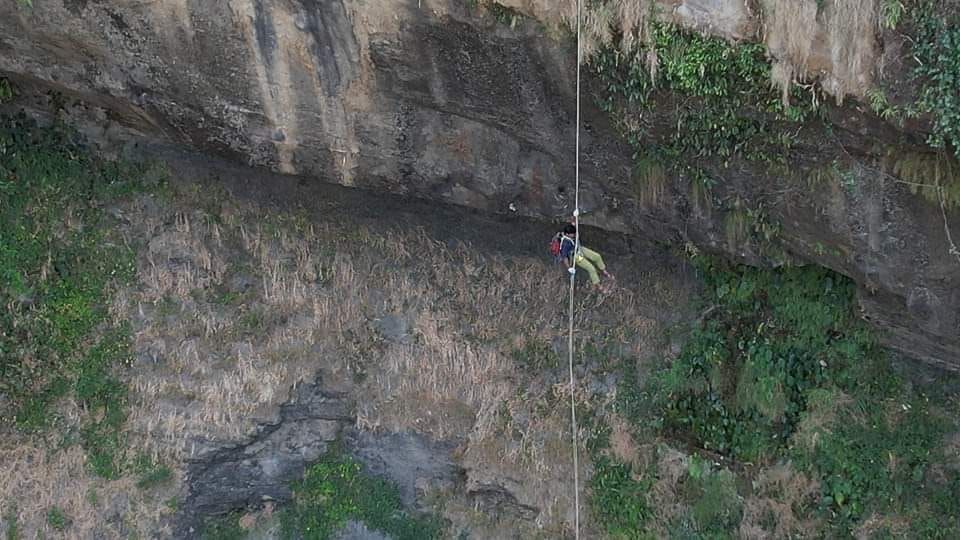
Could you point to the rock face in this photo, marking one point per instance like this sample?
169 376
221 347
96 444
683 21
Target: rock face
223 479
431 99
262 468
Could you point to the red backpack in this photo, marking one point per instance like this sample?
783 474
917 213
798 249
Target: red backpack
556 245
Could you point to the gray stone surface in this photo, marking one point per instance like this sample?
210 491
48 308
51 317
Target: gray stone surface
407 460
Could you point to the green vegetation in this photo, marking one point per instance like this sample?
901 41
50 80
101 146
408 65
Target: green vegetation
7 91
872 461
780 368
58 267
722 103
57 519
716 504
336 490
150 473
105 397
618 500
891 13
881 105
224 528
13 523
740 383
503 14
937 49
536 355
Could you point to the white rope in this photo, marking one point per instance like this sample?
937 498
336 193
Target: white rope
576 252
946 225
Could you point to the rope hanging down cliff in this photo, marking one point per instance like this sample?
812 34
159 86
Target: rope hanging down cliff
576 222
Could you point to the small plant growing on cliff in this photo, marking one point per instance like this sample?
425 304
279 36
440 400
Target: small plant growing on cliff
57 519
891 12
151 473
503 14
224 528
11 517
7 92
934 176
881 105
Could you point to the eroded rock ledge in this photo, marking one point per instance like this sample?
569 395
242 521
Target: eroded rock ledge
434 100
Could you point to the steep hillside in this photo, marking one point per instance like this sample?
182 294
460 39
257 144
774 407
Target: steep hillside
193 349
258 320
846 162
278 269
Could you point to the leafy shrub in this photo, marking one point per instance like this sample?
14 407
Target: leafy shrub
781 367
618 501
740 383
937 49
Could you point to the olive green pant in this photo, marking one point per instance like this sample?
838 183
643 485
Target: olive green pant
591 261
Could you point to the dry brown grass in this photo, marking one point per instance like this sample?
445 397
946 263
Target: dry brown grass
235 305
934 176
888 526
782 497
672 467
629 19
600 22
825 408
736 225
845 61
790 28
852 34
217 367
456 376
650 183
625 448
437 385
701 196
36 476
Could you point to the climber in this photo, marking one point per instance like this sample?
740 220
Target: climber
586 258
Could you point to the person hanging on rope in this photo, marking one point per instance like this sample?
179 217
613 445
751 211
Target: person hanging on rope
585 258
